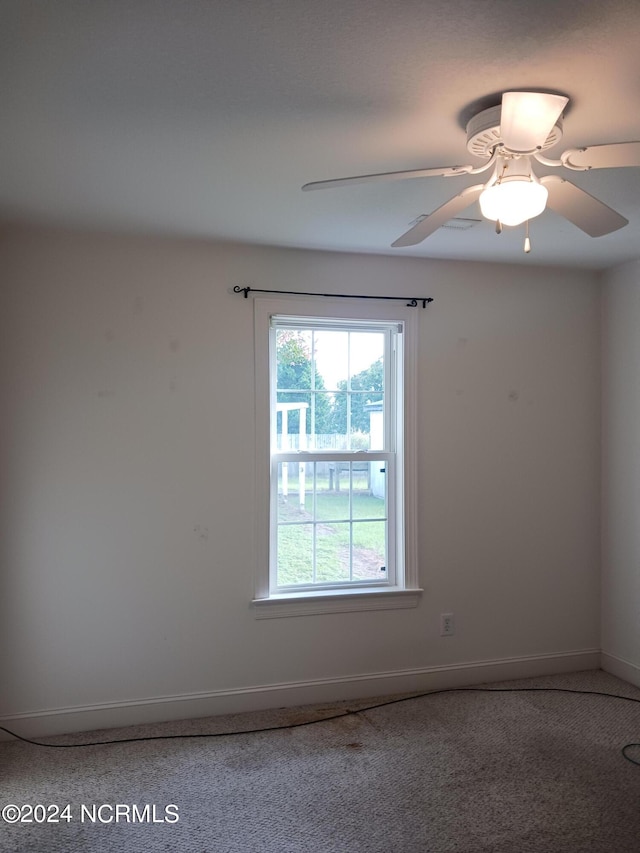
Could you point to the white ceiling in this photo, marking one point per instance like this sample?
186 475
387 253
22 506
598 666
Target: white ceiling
196 117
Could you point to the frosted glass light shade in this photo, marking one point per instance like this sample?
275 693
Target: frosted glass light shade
514 200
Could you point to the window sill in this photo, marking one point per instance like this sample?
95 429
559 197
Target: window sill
341 601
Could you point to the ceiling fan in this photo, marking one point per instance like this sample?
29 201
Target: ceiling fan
509 136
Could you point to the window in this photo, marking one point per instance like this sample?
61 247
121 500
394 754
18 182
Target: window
339 512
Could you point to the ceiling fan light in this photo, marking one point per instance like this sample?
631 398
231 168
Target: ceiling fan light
513 200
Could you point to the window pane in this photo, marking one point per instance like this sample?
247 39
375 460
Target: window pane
360 472
370 502
295 502
295 554
331 504
375 413
358 420
321 472
332 553
331 355
366 352
293 356
369 562
292 413
320 423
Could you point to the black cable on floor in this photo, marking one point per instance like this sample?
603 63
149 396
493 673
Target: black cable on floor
347 713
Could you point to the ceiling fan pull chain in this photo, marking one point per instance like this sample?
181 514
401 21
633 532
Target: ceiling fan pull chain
527 241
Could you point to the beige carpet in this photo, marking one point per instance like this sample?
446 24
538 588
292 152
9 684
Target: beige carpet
464 772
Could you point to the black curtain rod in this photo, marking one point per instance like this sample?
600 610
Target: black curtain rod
411 301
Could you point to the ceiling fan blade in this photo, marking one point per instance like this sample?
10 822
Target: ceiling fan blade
616 155
442 214
437 172
527 118
592 216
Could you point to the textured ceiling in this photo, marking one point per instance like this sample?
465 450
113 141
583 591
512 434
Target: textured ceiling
205 118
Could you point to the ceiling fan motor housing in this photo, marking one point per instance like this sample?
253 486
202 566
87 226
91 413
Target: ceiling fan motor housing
483 133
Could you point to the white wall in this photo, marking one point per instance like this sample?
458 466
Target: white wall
621 471
127 479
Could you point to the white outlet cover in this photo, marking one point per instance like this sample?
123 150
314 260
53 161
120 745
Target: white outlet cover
447 625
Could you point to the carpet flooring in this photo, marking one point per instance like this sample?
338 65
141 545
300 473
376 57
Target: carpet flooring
460 772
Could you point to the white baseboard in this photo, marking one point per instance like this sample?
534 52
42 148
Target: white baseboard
621 668
193 705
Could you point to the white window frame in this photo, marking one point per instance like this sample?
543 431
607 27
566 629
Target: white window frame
401 591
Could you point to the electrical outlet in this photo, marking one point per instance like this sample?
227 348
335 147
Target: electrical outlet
447 625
